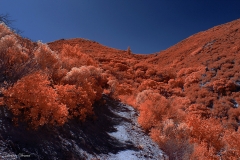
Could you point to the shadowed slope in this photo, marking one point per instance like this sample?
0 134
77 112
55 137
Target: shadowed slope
74 140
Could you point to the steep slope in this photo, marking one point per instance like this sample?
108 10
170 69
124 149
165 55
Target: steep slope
222 40
114 134
187 95
52 106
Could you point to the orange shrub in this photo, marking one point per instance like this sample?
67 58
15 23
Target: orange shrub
232 141
179 106
76 100
4 30
148 84
166 74
121 67
13 59
199 110
139 73
113 86
173 139
35 101
176 83
202 151
72 56
46 58
58 75
208 131
150 72
153 108
89 78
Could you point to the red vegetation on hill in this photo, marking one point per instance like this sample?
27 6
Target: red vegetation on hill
187 95
43 87
33 99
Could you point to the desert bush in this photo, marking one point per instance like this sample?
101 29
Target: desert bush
223 86
163 88
113 84
139 73
116 89
89 78
187 71
192 92
233 118
4 30
76 100
14 61
124 89
77 76
129 50
232 148
148 84
46 58
143 96
121 67
176 83
202 151
191 75
199 110
33 100
221 107
173 139
150 72
153 108
72 56
58 75
208 131
165 74
141 66
179 107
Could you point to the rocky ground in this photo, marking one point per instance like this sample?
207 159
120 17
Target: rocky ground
128 131
113 135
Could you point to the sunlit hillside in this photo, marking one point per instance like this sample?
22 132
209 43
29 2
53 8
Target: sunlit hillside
187 96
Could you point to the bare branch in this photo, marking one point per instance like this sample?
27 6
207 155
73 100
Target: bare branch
5 18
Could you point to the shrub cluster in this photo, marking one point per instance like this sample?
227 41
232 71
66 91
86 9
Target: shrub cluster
42 87
188 99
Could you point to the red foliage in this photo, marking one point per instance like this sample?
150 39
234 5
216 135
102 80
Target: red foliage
4 30
232 148
173 139
14 59
187 96
72 56
76 100
46 58
208 131
89 78
194 84
202 151
49 89
153 108
33 99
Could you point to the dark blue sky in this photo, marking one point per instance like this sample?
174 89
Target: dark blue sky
147 26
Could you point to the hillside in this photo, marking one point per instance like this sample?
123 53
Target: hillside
187 96
52 106
196 80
